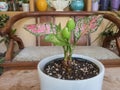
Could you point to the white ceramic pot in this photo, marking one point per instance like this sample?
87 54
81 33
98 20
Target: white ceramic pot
3 6
51 83
95 6
25 7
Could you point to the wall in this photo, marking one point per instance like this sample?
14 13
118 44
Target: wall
28 39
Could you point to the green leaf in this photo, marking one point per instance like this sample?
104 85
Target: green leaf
66 33
58 27
59 37
71 24
53 39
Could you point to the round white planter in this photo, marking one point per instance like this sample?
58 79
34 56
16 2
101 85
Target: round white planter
25 7
51 83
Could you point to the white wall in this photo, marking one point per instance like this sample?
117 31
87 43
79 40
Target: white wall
28 38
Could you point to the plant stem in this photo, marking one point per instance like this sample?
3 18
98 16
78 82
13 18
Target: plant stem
67 54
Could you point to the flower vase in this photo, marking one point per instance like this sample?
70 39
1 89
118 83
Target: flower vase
95 5
77 5
115 4
104 5
41 5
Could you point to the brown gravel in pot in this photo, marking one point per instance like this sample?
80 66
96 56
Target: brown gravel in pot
80 69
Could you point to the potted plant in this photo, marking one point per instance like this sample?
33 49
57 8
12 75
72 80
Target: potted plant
3 5
25 5
69 71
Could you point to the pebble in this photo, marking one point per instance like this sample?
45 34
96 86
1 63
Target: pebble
79 70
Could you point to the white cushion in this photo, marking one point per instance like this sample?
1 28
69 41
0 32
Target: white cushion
40 52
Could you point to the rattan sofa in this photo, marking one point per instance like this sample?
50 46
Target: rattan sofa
28 57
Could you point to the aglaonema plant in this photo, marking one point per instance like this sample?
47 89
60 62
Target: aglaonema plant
74 29
62 37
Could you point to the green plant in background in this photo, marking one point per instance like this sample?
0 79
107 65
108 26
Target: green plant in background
6 38
111 28
3 19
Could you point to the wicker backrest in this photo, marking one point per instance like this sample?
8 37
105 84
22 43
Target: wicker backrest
48 16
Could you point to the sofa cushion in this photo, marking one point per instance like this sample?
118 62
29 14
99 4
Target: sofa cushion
40 52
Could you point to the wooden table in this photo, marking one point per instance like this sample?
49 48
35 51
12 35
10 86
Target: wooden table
29 80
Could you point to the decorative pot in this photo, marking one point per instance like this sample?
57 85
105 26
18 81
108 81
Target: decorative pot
59 5
104 5
115 4
95 5
77 5
41 5
25 7
3 6
51 83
